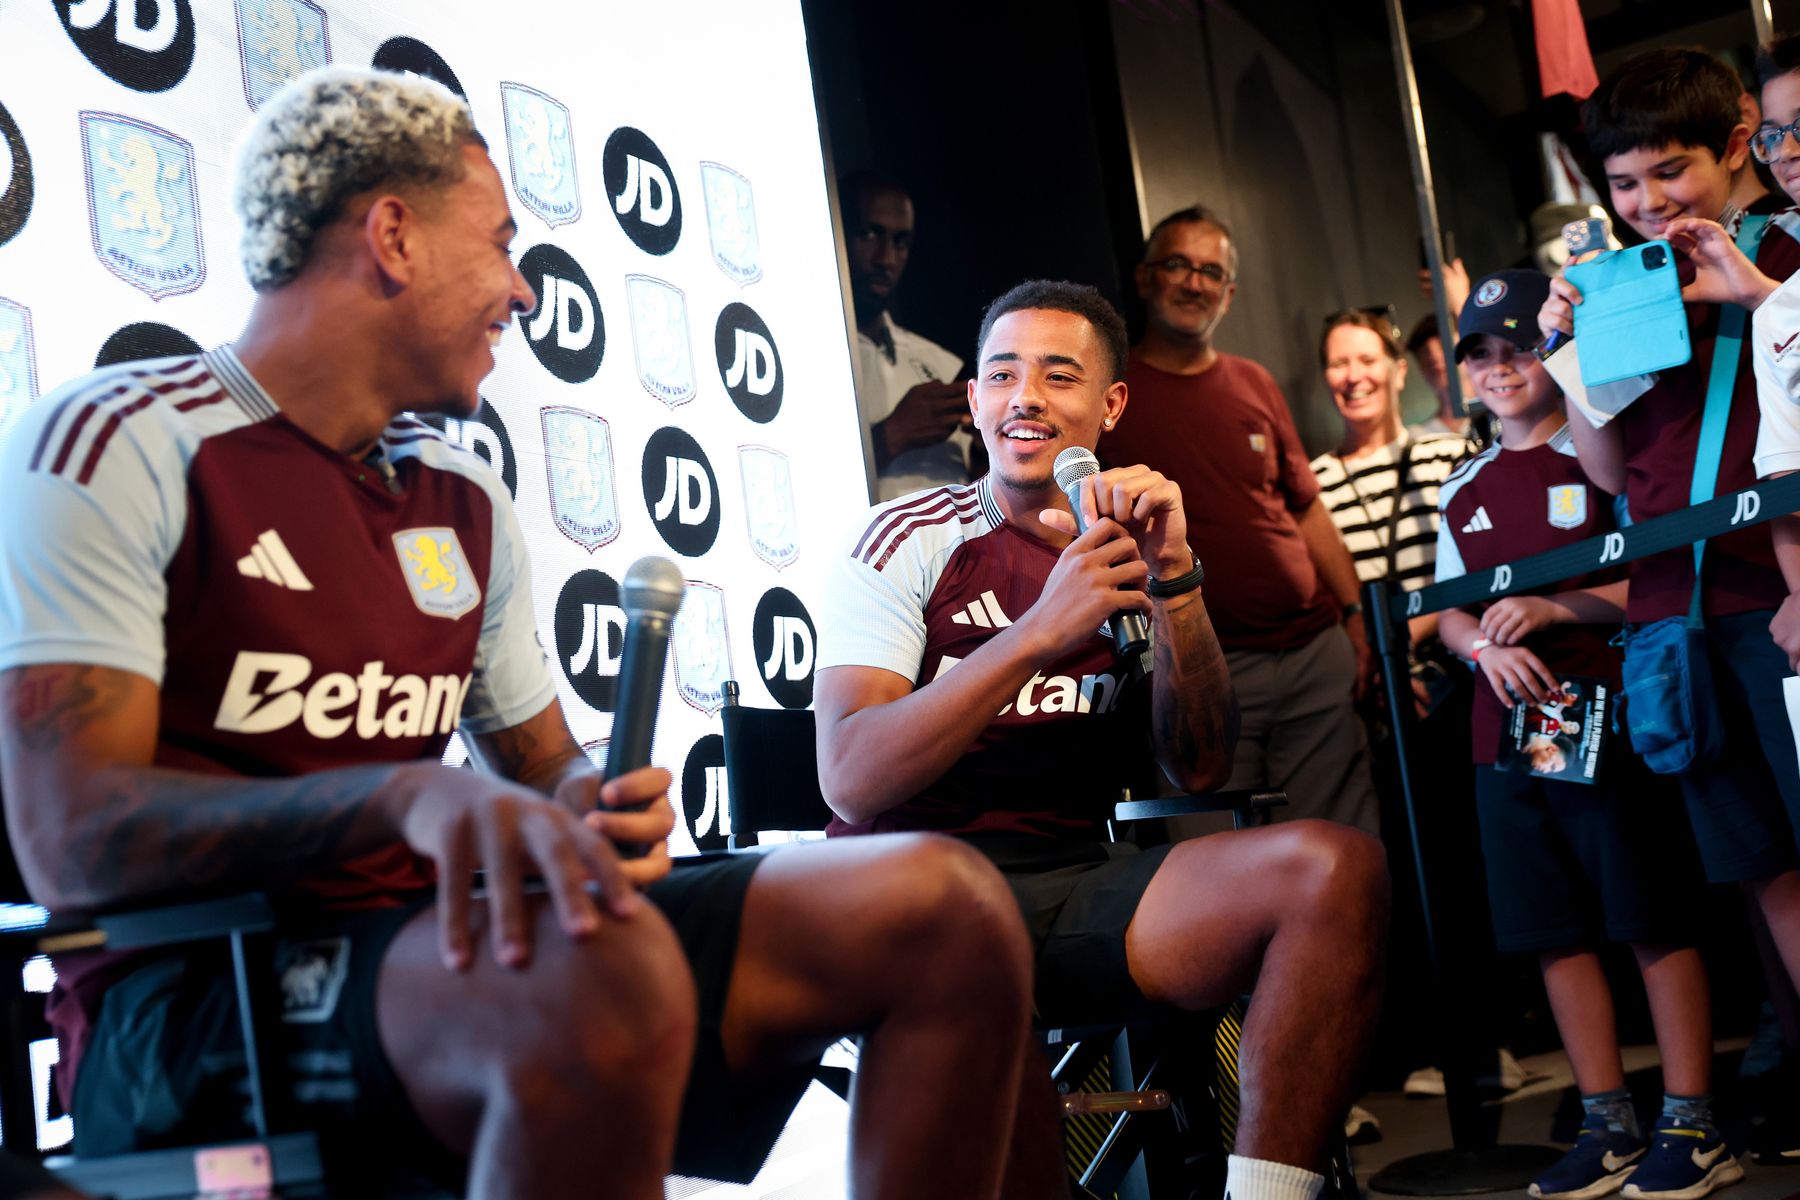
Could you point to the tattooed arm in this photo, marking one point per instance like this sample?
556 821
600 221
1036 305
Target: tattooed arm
1194 712
94 824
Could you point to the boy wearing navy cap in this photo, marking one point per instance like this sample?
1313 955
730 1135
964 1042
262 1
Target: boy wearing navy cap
1569 863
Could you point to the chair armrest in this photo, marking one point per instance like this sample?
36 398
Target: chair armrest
137 929
1250 801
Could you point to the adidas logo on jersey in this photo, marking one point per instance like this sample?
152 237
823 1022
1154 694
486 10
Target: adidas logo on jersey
1480 522
984 612
269 692
269 560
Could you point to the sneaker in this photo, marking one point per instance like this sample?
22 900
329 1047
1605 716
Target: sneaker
1685 1162
1426 1081
1598 1164
1361 1128
1508 1075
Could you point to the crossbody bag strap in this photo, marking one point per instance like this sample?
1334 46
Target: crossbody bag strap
1719 386
1393 521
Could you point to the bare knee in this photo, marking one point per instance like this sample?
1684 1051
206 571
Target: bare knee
1338 874
949 907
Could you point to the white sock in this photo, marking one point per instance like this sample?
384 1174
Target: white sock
1260 1179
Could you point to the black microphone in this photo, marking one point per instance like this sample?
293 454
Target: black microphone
1130 632
652 592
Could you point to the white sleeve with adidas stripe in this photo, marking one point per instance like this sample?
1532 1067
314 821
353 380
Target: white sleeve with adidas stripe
871 618
512 681
1775 355
84 544
1449 558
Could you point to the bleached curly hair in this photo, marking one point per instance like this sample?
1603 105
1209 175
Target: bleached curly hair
331 134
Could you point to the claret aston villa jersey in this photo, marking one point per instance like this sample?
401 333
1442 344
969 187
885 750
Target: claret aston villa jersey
299 611
932 577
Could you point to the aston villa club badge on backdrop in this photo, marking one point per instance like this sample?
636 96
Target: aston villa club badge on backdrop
18 365
540 145
143 207
731 222
578 459
659 335
769 505
702 648
277 41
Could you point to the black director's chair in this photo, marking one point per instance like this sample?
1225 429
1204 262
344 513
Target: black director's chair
1122 1104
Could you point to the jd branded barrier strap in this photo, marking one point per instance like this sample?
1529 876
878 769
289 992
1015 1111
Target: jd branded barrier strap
1734 510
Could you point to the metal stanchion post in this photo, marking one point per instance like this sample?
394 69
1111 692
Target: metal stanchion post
1475 1163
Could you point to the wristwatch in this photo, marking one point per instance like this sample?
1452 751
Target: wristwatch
1163 589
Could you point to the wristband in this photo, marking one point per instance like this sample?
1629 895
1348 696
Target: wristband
1480 645
1163 589
1352 609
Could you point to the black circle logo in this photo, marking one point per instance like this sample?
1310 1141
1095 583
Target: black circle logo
681 491
566 330
748 362
147 45
590 637
414 57
703 805
16 188
483 435
785 641
642 190
144 339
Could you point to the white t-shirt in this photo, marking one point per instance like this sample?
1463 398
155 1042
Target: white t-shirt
916 360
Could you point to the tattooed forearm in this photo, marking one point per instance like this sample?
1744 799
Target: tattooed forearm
47 706
1194 712
153 831
539 753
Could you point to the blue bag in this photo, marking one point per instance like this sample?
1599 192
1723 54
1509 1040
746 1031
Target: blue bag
1666 704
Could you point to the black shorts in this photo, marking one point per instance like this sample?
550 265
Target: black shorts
164 1063
1077 899
1572 864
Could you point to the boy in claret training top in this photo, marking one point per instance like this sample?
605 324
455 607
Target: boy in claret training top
1570 863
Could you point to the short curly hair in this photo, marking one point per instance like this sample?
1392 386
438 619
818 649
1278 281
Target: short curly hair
1062 296
332 134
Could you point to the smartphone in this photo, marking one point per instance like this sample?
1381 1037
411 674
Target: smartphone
1630 320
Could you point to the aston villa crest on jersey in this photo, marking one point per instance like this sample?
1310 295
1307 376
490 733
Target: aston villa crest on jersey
578 459
278 40
1568 505
731 222
659 337
436 571
769 505
18 365
702 650
540 145
143 207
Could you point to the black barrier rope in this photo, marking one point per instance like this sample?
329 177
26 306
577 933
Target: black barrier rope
1734 510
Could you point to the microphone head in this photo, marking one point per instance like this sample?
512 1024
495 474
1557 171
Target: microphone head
1074 465
653 585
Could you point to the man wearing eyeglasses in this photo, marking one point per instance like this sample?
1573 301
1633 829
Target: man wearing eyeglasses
918 420
1283 594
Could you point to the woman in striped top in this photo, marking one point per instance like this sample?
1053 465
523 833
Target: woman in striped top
1381 483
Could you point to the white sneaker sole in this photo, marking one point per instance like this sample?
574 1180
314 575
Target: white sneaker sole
1722 1175
1604 1186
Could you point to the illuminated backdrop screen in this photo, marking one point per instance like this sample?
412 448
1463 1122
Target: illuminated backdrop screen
684 387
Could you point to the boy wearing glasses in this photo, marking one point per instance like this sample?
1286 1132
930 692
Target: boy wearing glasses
1670 129
1280 585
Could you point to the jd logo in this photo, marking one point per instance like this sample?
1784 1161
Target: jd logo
413 57
15 178
18 365
541 148
642 191
748 362
277 40
783 634
703 808
147 45
144 339
567 331
143 208
590 637
681 491
484 436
